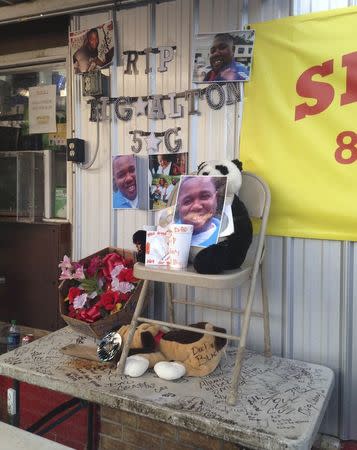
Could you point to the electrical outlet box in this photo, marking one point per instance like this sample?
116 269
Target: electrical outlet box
11 401
75 150
95 84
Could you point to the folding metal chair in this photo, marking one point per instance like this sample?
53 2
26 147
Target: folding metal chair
255 194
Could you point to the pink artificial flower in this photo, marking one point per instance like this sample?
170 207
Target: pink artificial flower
66 268
79 273
66 274
65 264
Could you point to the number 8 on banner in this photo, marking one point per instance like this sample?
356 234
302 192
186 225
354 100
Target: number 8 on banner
349 146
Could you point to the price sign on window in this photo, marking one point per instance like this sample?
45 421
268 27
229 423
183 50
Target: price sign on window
42 109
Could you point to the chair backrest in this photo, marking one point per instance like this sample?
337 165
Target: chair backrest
255 194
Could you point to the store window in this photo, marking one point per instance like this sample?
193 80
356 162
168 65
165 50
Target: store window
33 153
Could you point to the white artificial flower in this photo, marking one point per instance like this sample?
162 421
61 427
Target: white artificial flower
125 286
80 301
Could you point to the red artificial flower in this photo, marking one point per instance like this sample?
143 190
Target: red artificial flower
110 261
73 293
108 300
93 313
94 266
82 314
72 312
89 315
124 296
128 263
127 275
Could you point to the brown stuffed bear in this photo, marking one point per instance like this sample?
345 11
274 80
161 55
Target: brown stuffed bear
174 353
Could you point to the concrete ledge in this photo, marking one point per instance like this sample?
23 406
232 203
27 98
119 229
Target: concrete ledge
281 402
12 437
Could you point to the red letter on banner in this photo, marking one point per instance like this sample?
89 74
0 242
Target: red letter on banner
350 61
323 92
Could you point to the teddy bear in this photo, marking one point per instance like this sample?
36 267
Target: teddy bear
229 253
174 353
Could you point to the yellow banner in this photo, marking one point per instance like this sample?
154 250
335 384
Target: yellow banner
299 128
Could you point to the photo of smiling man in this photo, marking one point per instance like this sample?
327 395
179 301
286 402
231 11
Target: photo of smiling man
125 192
92 48
200 202
223 57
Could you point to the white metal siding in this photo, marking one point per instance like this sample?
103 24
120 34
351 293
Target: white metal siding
311 283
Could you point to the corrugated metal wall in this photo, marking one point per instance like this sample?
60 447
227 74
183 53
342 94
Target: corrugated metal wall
311 283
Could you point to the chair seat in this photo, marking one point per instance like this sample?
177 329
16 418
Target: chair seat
230 279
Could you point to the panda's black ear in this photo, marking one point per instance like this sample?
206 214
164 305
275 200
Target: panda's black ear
238 163
201 165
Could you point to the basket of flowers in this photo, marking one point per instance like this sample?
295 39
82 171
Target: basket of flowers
98 293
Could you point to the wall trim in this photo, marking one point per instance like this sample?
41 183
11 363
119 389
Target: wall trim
33 57
40 9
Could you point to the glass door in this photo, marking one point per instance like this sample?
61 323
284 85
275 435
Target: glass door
40 190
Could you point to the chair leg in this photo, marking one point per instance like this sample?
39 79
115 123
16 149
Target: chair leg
267 344
132 328
169 296
233 389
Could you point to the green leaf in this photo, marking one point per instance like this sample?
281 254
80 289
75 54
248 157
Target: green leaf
103 312
89 285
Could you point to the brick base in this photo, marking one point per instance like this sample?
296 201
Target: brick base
35 402
129 431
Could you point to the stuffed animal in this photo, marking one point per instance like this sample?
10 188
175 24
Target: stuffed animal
230 252
139 239
174 353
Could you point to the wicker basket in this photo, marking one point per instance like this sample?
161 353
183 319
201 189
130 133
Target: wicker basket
113 321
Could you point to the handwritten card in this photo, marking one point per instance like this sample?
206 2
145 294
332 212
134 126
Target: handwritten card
157 248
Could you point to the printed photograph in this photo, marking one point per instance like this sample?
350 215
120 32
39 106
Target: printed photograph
200 202
160 190
93 48
168 164
222 57
125 189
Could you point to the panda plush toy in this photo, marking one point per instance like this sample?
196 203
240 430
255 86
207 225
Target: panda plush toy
230 252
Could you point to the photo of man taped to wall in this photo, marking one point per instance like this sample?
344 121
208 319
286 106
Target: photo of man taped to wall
93 48
222 57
